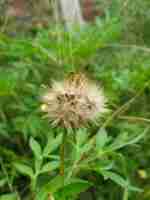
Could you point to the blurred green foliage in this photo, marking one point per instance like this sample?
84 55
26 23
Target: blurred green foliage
115 53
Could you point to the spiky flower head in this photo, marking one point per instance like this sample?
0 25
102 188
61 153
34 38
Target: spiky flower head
74 101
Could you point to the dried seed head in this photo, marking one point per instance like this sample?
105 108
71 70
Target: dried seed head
74 102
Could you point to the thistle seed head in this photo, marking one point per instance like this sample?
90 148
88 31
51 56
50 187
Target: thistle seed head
74 102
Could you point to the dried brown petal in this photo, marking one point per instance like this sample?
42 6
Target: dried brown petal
74 102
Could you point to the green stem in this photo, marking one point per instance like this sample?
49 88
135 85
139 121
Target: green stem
126 194
62 155
33 187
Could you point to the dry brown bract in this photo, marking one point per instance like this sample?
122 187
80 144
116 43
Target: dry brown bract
74 102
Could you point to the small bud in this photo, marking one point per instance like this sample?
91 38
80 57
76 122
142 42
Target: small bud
44 107
142 173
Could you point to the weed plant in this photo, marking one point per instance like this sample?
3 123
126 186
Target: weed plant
104 160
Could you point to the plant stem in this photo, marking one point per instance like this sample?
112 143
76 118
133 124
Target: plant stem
62 155
126 194
135 119
33 187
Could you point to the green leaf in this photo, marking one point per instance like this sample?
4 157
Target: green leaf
124 140
101 139
52 145
8 197
86 147
119 180
3 182
81 136
38 164
50 166
8 82
74 188
24 169
36 148
116 178
54 185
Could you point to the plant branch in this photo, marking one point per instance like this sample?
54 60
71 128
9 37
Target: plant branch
62 155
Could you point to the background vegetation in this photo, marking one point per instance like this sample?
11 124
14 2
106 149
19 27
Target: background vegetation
114 51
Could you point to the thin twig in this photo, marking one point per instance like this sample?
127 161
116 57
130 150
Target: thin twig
134 46
124 107
135 119
6 175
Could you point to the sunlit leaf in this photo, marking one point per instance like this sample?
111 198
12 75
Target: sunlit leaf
36 148
24 169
